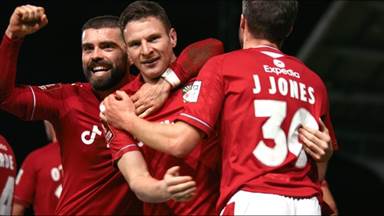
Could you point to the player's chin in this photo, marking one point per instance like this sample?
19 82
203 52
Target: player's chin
154 72
101 84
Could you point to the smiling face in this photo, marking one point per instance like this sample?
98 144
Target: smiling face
104 57
150 46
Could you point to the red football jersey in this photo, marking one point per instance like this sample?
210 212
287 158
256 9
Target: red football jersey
260 97
90 184
7 176
202 163
39 180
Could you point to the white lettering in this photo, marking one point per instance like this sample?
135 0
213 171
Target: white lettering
287 87
283 86
303 92
257 88
279 71
311 92
294 89
6 161
272 90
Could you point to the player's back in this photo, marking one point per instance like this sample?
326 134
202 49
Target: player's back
7 176
268 95
39 180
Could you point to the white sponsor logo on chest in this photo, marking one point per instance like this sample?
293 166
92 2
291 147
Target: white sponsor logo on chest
88 137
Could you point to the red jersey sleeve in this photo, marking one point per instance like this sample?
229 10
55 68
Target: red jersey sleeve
26 102
326 118
206 98
120 142
9 51
26 182
35 102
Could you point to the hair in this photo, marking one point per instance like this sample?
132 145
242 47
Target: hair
106 21
270 19
143 9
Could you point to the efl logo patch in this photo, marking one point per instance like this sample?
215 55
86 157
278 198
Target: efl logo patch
191 92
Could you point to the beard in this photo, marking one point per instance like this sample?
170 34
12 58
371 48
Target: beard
107 81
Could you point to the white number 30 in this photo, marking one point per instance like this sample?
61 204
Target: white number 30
271 129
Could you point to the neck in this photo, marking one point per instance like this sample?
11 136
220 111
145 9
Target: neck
253 43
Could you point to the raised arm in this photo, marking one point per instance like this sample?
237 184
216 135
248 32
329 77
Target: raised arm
24 20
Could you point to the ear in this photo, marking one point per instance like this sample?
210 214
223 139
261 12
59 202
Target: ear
173 37
242 22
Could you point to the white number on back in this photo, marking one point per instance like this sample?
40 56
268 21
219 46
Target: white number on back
7 196
271 129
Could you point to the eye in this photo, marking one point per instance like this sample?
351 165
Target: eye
134 44
154 39
108 46
87 48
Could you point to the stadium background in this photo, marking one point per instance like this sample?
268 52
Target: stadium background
343 41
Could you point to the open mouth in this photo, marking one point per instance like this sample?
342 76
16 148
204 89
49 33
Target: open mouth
99 68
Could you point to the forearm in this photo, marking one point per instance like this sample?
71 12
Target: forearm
146 188
321 170
18 209
9 51
149 189
328 198
175 139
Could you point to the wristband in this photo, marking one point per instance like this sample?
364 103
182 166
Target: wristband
170 76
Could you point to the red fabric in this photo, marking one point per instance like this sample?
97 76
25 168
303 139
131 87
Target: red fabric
259 97
91 185
229 210
202 163
9 49
193 57
7 176
40 180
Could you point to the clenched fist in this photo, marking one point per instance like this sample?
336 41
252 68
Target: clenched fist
26 19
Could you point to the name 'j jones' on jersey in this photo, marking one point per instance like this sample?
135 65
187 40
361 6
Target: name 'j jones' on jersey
283 86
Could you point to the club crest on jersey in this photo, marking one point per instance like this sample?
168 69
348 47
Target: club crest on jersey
191 92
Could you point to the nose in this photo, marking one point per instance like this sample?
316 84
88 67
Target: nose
96 54
146 48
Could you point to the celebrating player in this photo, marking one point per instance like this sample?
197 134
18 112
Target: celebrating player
259 97
150 40
90 185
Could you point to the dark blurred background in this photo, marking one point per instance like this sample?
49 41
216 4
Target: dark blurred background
343 41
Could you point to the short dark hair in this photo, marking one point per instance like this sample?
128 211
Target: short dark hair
106 21
143 9
270 19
